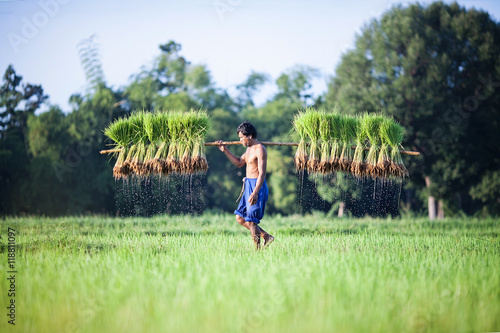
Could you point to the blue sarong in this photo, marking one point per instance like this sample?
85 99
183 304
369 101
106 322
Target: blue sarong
252 213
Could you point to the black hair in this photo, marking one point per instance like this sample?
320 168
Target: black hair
246 128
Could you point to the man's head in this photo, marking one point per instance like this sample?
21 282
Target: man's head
246 131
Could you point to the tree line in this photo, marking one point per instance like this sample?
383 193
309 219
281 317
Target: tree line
434 68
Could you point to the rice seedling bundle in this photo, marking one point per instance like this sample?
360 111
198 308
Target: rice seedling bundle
348 128
194 127
339 143
301 157
120 133
394 134
325 134
160 143
198 157
153 135
371 124
335 121
159 164
358 165
312 121
175 129
383 161
140 141
185 146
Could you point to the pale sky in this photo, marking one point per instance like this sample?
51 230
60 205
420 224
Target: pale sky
230 37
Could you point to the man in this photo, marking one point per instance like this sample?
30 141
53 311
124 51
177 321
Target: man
255 192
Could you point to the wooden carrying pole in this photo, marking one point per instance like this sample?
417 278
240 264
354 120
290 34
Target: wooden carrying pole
265 143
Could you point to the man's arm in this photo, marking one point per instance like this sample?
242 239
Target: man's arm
262 168
238 161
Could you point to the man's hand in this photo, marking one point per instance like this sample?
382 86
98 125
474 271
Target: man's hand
222 148
252 199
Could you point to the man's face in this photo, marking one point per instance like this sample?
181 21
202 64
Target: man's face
244 139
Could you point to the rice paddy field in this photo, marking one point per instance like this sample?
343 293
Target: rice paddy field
201 274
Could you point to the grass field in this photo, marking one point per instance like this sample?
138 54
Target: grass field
201 274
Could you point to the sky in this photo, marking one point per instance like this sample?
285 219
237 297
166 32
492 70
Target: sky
231 37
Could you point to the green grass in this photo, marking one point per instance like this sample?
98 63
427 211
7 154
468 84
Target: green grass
195 274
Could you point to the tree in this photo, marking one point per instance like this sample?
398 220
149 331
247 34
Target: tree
89 173
488 192
250 87
435 69
151 88
172 83
295 84
17 102
88 50
48 138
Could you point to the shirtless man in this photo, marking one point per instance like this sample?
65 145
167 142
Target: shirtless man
253 202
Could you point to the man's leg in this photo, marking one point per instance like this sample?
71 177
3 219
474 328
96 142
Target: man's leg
247 224
255 231
267 237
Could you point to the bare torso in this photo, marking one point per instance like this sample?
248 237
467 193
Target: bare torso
251 157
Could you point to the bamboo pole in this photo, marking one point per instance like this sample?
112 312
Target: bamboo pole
265 143
269 143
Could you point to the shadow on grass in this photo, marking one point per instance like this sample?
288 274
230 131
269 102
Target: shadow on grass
317 232
192 232
290 232
36 246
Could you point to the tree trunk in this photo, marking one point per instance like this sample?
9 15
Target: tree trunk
440 212
431 201
341 209
409 194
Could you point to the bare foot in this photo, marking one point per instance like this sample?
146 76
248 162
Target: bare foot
268 240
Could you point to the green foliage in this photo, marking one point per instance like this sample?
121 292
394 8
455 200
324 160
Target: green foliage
435 69
488 191
47 133
198 77
295 83
177 101
248 88
283 182
171 84
142 93
18 102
